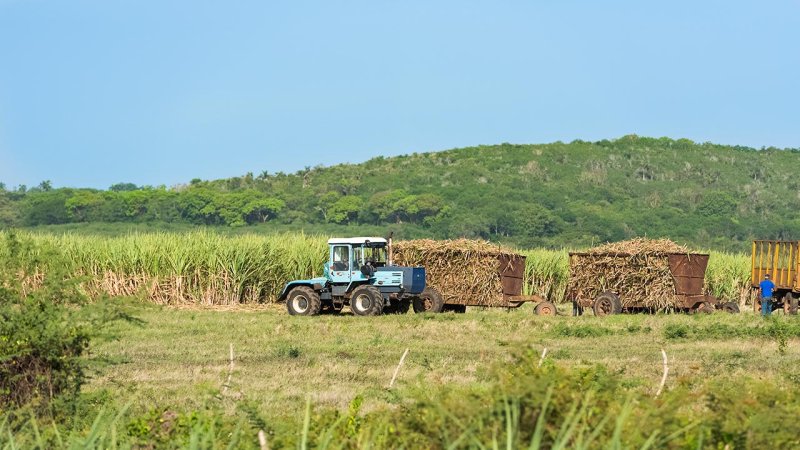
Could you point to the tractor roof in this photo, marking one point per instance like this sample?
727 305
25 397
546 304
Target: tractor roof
357 240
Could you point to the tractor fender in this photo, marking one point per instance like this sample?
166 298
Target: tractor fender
315 283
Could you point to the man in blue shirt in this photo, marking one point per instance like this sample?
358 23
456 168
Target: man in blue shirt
767 286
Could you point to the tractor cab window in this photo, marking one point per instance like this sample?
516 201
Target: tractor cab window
341 258
358 254
376 256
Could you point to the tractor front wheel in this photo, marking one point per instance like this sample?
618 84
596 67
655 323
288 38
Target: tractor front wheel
428 301
303 301
366 300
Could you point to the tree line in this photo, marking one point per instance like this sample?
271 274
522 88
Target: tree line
558 194
202 205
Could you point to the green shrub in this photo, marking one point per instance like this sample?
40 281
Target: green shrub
40 342
45 329
676 331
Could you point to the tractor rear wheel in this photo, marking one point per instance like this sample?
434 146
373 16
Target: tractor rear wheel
303 301
545 309
606 304
428 301
366 300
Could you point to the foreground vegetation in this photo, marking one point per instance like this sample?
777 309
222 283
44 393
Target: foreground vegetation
549 195
212 269
469 381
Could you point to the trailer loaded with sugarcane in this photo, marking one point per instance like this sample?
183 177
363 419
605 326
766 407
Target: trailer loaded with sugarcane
640 275
470 273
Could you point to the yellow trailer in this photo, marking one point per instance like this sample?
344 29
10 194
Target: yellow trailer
781 261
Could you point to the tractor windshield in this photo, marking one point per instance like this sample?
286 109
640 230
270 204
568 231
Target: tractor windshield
375 255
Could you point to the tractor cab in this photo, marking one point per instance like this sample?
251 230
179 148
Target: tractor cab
354 259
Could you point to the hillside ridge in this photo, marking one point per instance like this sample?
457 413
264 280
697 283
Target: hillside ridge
577 193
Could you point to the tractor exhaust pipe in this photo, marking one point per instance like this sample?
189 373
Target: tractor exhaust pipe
389 257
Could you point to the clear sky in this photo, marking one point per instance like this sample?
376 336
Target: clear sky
94 93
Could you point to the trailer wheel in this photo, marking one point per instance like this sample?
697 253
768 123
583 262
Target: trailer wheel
792 301
704 308
428 301
730 307
303 301
606 304
545 309
366 300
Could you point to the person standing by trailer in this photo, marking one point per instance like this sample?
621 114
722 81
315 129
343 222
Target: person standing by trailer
767 286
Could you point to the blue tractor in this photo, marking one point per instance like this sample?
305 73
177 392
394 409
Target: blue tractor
359 273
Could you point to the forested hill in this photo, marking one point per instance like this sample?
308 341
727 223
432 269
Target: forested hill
552 194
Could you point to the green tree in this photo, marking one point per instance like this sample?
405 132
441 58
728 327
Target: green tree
535 221
258 208
81 205
45 208
416 208
8 210
326 201
346 209
45 186
119 187
388 206
717 204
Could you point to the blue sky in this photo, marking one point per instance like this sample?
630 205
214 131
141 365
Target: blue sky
159 92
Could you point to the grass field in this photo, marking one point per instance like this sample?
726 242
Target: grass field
179 359
180 355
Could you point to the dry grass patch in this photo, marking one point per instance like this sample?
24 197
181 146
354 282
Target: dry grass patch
181 356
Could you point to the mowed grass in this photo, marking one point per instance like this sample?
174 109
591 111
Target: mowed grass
180 357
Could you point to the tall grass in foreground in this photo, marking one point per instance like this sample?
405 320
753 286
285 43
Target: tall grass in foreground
112 430
206 268
523 406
